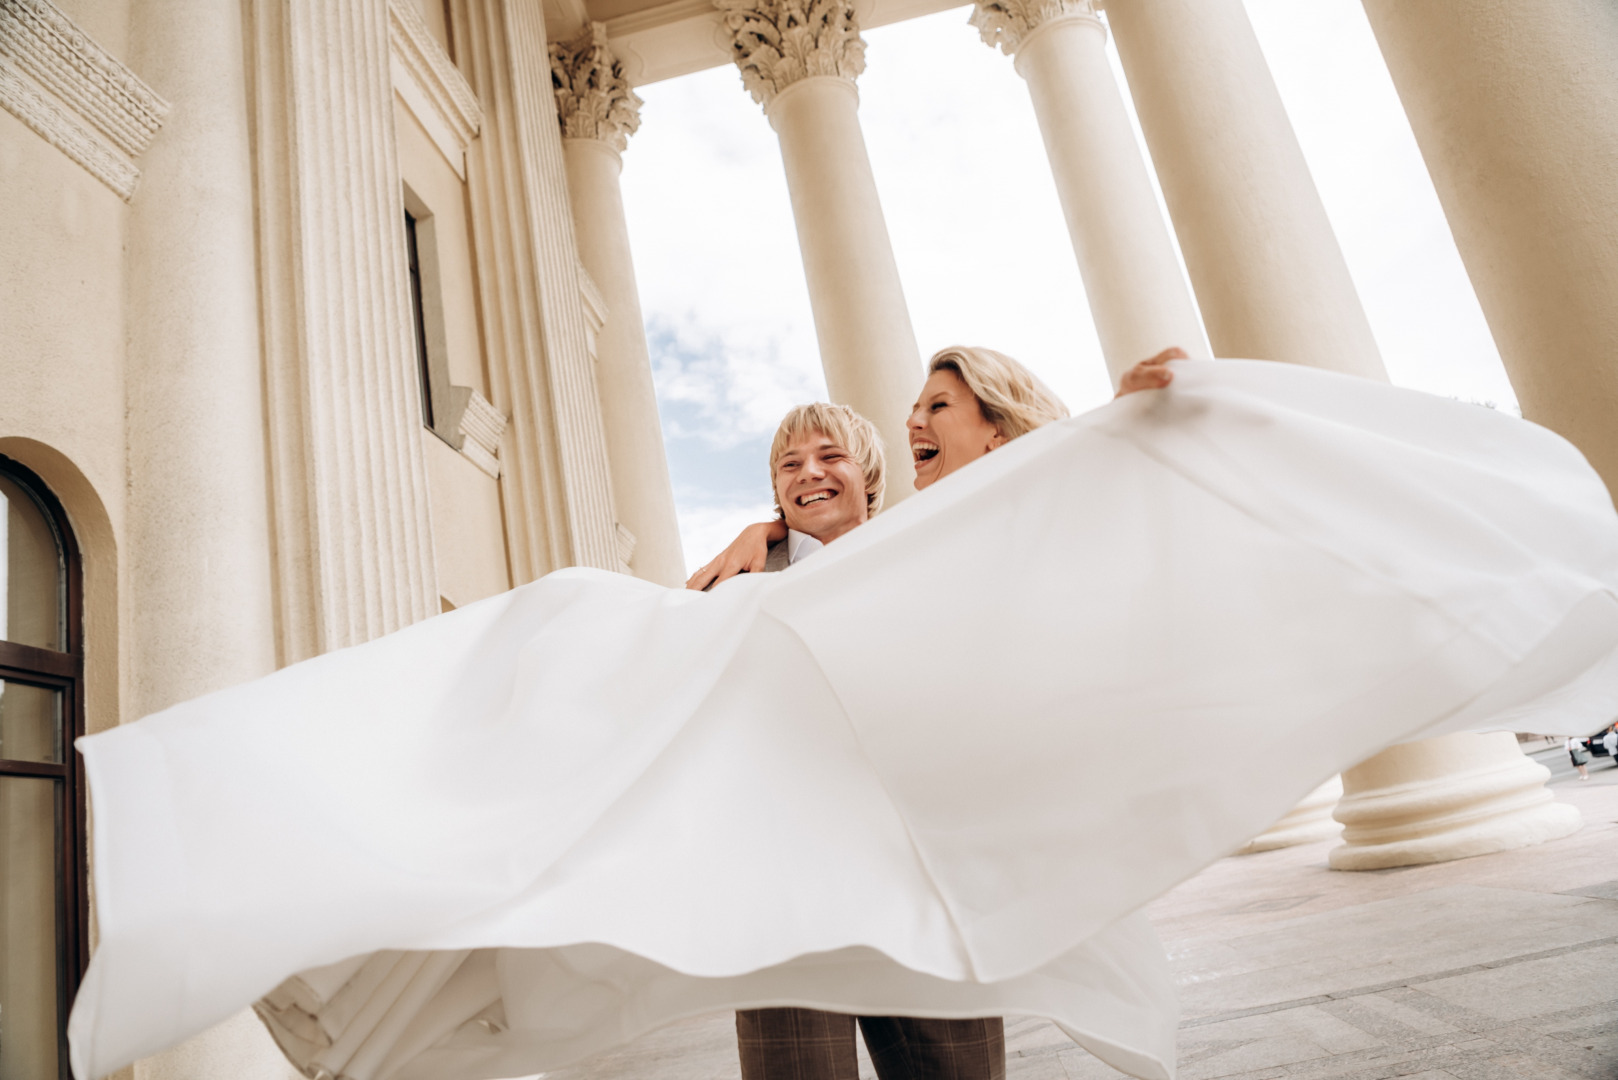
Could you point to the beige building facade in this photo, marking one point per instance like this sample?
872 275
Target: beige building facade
319 317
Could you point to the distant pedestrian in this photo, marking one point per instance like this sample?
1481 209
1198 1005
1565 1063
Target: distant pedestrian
1580 754
1610 742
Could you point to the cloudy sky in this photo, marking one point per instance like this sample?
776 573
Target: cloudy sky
980 240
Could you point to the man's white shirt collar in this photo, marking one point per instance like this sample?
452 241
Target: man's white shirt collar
800 546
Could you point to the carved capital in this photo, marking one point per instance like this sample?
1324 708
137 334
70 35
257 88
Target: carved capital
1007 23
777 42
593 99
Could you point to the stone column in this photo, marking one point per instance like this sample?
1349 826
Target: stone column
1269 274
1132 277
800 63
198 546
1272 284
598 113
353 537
1512 105
196 549
555 479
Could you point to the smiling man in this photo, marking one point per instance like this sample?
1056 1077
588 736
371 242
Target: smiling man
827 468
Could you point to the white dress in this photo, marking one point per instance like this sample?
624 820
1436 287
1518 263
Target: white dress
904 776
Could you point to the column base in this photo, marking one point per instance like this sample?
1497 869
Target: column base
1308 822
1446 798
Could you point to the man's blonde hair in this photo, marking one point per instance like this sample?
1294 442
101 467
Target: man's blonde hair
1009 395
847 429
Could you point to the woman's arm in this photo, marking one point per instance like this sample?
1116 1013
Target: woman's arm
1150 374
746 554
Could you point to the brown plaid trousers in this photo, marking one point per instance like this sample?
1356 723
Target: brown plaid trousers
809 1044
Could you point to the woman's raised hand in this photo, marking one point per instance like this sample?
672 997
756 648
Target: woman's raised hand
746 554
1150 374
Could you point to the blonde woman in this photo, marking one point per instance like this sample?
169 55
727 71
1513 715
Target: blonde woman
974 401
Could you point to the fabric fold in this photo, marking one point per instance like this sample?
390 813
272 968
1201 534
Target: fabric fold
903 777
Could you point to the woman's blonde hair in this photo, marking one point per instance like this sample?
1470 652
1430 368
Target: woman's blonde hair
1009 395
847 429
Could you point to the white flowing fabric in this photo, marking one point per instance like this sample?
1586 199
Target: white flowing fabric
903 776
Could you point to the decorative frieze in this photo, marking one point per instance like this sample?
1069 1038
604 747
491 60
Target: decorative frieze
1007 23
775 43
42 52
593 98
430 85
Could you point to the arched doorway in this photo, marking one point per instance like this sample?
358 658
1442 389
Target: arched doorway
43 904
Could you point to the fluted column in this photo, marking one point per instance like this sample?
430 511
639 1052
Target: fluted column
556 482
354 538
598 113
1512 106
196 550
1268 272
800 62
1132 278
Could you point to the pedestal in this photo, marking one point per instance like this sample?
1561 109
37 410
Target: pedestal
1446 798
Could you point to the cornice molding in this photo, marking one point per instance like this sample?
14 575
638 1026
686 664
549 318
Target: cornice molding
1006 24
430 84
776 43
593 97
45 43
99 113
53 124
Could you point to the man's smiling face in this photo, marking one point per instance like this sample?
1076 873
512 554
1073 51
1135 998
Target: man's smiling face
820 487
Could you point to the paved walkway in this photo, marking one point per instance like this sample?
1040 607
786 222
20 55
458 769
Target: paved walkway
1493 968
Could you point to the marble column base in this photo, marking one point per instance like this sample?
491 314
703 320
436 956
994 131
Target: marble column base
1306 823
1446 798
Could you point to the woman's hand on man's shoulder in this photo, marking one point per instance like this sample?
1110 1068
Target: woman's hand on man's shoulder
745 555
1153 374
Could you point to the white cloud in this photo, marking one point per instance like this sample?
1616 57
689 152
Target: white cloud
724 384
